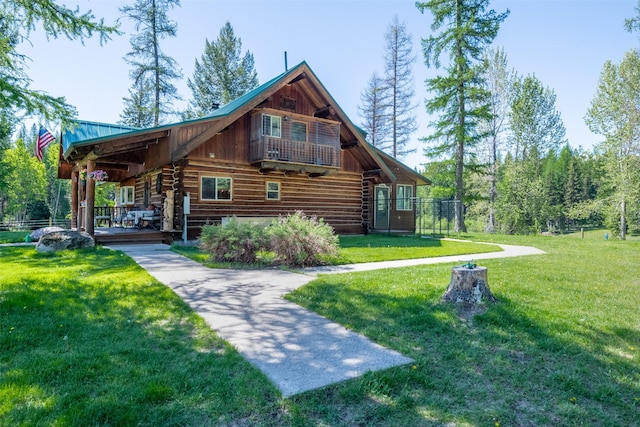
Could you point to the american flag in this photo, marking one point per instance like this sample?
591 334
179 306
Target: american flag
44 138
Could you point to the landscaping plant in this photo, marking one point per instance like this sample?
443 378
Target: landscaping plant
301 241
295 240
233 242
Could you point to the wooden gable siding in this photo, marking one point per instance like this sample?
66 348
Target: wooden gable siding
231 145
336 198
282 100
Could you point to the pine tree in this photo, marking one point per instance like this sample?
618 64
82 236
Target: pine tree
138 108
222 75
467 28
398 74
374 110
147 59
17 19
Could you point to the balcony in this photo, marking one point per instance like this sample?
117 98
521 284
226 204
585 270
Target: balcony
295 143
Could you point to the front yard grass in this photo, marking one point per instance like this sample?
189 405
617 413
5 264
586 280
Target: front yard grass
561 347
13 236
88 338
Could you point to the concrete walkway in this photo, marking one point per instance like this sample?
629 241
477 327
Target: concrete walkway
296 349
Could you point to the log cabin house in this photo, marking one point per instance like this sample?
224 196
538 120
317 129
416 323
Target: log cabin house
283 147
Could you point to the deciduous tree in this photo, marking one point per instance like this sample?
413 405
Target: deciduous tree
536 124
498 80
615 114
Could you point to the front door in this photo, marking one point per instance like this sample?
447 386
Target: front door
381 217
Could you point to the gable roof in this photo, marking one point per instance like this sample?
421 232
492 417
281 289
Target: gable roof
89 137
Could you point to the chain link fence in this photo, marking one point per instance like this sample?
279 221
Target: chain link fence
435 216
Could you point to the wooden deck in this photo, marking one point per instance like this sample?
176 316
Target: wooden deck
119 235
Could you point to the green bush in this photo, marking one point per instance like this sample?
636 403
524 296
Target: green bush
233 242
301 241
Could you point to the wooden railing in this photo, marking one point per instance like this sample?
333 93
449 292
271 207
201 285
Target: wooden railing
282 150
116 216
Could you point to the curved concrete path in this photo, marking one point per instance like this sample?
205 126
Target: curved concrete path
295 348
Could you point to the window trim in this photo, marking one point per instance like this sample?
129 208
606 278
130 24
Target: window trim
267 191
216 178
271 121
124 191
404 202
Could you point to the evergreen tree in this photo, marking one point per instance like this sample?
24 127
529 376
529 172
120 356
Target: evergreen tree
139 108
615 114
17 19
398 74
223 74
374 110
460 98
149 63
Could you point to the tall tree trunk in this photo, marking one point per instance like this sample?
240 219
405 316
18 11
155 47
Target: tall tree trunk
460 132
491 224
156 64
623 219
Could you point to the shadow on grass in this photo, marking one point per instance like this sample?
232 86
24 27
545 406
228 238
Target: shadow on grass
506 367
88 338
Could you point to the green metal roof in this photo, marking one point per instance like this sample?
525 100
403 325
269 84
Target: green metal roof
86 131
91 130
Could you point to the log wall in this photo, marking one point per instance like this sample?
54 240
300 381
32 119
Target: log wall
335 198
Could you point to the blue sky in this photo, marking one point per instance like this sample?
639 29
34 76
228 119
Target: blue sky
563 42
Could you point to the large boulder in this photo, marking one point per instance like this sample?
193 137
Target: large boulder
65 239
37 234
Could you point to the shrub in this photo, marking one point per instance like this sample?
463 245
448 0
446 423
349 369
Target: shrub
233 242
301 241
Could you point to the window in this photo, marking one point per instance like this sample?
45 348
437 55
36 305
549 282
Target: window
273 191
271 126
404 195
299 132
126 196
215 188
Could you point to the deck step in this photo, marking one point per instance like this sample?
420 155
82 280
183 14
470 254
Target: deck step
133 237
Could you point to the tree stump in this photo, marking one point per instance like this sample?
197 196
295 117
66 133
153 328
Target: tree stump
468 286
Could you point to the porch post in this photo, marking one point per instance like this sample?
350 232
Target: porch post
91 198
81 197
74 198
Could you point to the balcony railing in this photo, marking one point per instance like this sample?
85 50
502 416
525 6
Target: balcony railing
281 137
281 150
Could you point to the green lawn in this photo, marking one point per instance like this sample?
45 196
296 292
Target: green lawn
562 346
88 338
375 247
13 236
